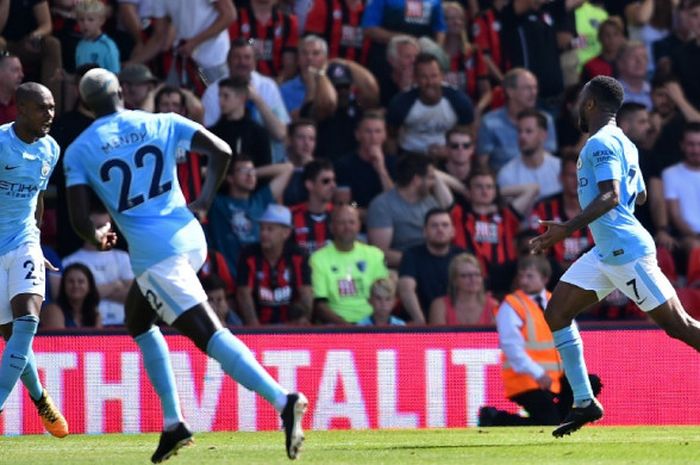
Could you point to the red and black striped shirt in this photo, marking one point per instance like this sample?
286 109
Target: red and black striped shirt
280 34
189 175
465 70
311 231
568 250
491 237
341 27
486 35
275 287
216 264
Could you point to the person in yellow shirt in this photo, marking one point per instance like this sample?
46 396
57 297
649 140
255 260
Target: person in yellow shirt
343 271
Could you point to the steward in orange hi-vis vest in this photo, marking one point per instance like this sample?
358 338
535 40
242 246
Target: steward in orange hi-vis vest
539 345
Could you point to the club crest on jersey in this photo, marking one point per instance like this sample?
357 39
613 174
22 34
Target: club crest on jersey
45 169
579 164
362 266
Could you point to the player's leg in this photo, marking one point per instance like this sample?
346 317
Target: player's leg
140 318
672 318
51 417
580 287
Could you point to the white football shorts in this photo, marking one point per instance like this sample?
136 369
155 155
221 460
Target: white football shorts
172 287
641 280
21 272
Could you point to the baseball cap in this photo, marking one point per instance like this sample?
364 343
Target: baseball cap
136 74
339 74
277 214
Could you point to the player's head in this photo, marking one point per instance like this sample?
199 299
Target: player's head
533 273
101 92
35 110
600 98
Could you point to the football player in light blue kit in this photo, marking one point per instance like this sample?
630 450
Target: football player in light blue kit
27 158
624 256
128 159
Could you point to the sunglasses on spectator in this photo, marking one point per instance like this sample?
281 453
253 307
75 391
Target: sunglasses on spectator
326 181
457 145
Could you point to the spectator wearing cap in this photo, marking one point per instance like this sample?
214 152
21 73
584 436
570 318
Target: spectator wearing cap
274 282
355 90
231 223
419 118
342 272
137 83
11 75
311 82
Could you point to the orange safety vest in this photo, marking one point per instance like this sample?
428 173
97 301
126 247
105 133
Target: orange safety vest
539 345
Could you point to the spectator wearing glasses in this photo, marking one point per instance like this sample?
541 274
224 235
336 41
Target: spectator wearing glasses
311 219
460 159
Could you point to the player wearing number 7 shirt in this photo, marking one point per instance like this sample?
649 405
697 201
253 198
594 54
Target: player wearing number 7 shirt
624 256
128 159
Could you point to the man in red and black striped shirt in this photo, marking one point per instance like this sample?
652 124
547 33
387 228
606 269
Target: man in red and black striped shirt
274 279
488 230
311 220
562 207
338 21
274 35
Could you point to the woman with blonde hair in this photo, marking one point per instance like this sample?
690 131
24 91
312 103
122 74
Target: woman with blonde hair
468 70
466 302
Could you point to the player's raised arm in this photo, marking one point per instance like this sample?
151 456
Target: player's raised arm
218 155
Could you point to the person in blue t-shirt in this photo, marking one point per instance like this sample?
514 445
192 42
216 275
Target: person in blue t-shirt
95 46
28 156
624 255
128 158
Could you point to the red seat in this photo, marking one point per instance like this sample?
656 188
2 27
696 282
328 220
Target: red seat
690 298
694 267
666 263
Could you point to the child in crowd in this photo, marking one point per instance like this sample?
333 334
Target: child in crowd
382 298
95 46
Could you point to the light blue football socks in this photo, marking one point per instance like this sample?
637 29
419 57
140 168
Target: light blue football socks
156 359
238 362
570 346
16 354
30 377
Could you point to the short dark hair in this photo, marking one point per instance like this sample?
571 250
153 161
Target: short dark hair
423 58
457 130
627 110
314 168
167 90
433 212
409 166
238 158
534 113
300 123
691 127
241 42
212 282
689 4
607 93
235 83
373 114
480 171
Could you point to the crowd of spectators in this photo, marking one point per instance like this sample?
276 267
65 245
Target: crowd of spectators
391 158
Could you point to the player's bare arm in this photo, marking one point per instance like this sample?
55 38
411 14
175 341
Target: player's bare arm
218 155
608 199
78 211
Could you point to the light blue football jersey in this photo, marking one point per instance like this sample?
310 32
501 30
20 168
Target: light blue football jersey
24 172
128 159
619 237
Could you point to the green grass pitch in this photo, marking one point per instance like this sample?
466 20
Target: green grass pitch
483 446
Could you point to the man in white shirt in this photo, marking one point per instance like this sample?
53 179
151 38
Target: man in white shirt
535 164
681 184
112 272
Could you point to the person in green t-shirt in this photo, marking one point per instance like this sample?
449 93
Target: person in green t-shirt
343 271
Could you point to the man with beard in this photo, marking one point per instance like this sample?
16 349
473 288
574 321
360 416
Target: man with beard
423 269
624 257
535 164
419 118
